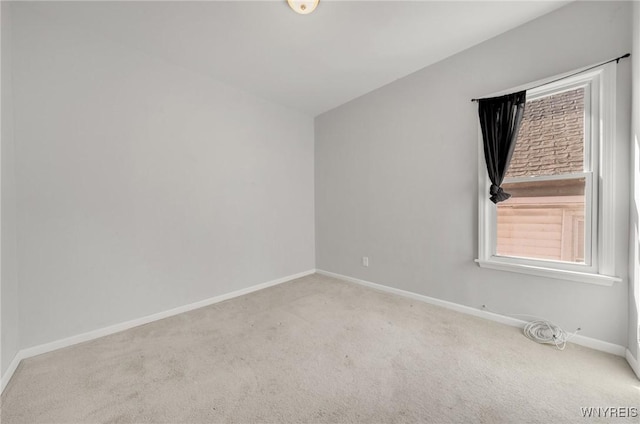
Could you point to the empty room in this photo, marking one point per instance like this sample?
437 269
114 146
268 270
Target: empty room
320 211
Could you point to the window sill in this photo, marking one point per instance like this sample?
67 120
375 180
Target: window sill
582 277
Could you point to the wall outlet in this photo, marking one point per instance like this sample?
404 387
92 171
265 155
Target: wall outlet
365 261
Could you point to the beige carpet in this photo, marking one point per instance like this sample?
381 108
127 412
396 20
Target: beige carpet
318 350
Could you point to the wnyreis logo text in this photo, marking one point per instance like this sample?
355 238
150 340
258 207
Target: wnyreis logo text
610 412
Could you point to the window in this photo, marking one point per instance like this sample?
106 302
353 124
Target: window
559 220
548 218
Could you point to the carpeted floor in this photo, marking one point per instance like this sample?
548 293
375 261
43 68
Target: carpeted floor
318 350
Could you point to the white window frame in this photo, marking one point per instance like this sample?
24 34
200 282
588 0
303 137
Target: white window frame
599 267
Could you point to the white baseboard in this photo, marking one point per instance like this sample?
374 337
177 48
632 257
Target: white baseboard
633 363
13 366
578 339
105 331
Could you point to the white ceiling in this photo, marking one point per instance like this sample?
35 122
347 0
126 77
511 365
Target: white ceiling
308 62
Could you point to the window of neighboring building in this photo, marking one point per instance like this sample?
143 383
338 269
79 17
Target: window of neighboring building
558 221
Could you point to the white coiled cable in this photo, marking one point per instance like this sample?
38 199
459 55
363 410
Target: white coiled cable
543 331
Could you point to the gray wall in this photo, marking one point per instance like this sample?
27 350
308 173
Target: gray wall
396 174
143 186
634 242
9 279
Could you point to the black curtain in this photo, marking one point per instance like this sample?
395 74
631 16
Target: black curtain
500 119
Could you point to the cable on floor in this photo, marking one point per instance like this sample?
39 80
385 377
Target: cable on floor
547 333
543 331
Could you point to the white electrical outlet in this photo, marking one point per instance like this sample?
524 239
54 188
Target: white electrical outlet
365 261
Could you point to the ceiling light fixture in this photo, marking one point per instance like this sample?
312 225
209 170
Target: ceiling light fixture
303 7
